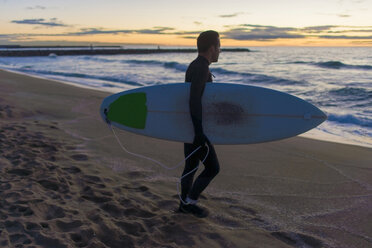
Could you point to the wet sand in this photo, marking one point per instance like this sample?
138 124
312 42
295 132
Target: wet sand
65 182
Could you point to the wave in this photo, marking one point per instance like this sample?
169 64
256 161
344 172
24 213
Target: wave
339 65
354 94
258 78
335 65
97 59
255 78
170 65
251 78
350 119
4 62
80 75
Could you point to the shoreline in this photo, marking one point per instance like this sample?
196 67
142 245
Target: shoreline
317 136
64 182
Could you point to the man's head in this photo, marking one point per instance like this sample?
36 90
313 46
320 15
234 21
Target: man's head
209 45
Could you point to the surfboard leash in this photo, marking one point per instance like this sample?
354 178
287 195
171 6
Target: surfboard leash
161 164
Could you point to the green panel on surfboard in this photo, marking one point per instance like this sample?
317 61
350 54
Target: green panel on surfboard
129 110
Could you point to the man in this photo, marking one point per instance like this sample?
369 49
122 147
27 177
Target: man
198 75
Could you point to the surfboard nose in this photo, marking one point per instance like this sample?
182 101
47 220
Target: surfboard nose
324 116
318 115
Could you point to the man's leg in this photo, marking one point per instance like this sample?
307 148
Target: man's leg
190 164
212 168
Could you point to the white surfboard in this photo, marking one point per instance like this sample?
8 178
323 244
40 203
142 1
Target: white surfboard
232 113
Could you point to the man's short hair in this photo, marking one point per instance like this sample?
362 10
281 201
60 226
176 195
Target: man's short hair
206 40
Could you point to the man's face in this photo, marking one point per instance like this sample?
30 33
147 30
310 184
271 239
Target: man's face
216 51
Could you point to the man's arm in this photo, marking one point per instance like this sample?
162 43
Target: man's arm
196 92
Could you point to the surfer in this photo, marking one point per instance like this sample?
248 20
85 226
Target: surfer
198 74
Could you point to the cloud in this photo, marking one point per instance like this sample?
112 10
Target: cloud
317 29
197 32
263 33
154 30
96 31
350 31
53 22
268 33
189 37
198 23
341 15
231 15
242 32
36 7
345 37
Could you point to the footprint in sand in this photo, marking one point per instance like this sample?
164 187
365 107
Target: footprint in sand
68 226
49 184
13 226
83 237
5 186
167 204
244 210
19 172
79 157
72 169
30 226
19 239
137 212
298 239
12 196
20 210
226 221
91 196
45 241
264 224
225 200
137 174
113 209
54 212
96 181
44 225
134 228
6 111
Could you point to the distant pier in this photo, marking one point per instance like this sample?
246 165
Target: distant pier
17 51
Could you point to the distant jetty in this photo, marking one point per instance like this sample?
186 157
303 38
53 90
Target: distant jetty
18 51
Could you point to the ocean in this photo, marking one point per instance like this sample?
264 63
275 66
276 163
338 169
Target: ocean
337 80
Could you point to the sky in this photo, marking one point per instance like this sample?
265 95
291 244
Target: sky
240 23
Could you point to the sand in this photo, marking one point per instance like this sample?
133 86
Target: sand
65 182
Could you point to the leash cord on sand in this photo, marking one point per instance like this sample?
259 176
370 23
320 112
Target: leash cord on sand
161 164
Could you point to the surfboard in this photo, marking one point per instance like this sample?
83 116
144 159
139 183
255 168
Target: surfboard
232 113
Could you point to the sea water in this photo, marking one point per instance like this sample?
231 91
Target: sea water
337 80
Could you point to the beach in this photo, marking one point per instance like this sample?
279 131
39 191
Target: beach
65 182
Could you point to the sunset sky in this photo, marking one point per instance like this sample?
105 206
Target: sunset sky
171 22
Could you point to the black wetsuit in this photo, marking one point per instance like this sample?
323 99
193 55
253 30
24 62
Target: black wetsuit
198 74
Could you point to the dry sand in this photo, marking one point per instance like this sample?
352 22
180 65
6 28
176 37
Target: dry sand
65 182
